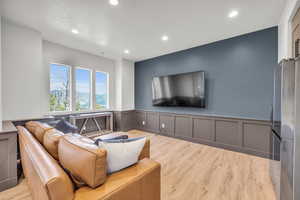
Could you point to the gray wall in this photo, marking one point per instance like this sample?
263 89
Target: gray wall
239 75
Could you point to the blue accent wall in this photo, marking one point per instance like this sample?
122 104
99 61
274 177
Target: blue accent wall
239 75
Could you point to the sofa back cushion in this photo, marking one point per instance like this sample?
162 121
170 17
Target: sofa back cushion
51 139
85 161
46 179
38 129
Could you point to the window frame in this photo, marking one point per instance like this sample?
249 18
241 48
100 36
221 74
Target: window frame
70 87
107 90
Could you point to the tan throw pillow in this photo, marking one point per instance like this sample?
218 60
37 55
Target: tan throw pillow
84 160
38 129
51 139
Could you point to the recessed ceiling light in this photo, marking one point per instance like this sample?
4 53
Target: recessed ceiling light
164 38
233 14
75 31
126 51
114 2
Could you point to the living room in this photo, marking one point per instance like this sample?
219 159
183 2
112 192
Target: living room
152 100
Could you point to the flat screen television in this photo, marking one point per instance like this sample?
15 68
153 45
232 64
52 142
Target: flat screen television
186 90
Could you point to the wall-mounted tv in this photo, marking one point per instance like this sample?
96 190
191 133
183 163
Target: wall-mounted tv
186 89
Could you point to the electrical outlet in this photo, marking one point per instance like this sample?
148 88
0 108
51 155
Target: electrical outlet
163 125
143 123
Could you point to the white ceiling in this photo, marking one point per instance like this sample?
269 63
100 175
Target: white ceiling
138 25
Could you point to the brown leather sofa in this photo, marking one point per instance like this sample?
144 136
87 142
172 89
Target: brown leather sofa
49 181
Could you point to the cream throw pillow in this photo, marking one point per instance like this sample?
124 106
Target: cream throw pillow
122 153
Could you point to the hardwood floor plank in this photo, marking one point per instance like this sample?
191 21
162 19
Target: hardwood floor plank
20 192
197 172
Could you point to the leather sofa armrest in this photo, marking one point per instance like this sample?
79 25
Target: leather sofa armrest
140 181
145 153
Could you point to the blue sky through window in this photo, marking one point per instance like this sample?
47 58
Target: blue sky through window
59 75
101 83
83 78
83 86
101 90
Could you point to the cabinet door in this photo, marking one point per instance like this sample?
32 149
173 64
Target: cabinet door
152 122
128 122
140 120
183 126
117 121
287 172
257 137
166 123
8 160
227 132
203 129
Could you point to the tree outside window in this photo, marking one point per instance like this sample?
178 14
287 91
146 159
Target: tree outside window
60 98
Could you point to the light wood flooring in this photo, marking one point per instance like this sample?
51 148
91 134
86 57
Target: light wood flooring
197 172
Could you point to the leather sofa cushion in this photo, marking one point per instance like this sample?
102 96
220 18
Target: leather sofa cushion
51 139
38 129
84 160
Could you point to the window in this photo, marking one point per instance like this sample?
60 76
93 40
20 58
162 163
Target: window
60 96
83 89
77 89
101 95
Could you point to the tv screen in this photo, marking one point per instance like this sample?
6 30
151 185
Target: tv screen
186 89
